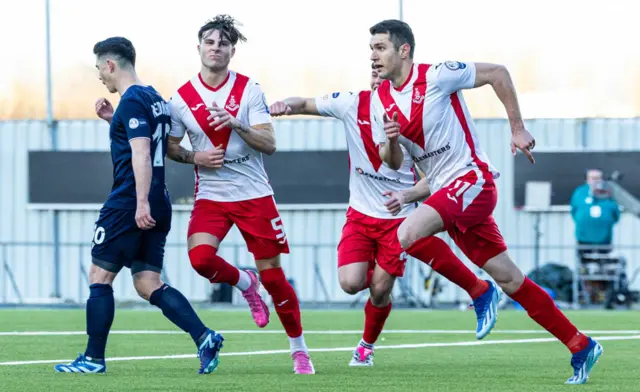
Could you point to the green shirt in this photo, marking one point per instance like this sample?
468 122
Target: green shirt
594 217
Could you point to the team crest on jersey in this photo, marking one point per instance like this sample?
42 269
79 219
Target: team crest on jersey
455 65
134 123
417 97
232 105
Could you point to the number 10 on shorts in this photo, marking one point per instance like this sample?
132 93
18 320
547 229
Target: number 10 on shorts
276 223
98 235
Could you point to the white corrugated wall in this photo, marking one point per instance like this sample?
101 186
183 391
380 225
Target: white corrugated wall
26 236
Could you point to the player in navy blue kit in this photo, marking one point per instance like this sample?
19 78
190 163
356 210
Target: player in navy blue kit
136 218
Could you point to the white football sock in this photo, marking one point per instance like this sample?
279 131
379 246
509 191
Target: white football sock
298 344
245 280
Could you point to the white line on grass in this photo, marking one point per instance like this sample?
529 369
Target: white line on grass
307 332
323 350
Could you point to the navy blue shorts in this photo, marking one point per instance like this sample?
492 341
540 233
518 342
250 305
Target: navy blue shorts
118 242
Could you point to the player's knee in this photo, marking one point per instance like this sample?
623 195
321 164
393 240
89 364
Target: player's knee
144 294
201 258
145 286
98 275
406 236
505 272
352 284
510 282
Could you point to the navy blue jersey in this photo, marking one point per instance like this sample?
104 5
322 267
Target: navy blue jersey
142 112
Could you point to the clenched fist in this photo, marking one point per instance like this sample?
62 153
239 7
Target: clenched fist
280 108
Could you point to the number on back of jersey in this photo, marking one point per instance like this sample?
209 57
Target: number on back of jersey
158 137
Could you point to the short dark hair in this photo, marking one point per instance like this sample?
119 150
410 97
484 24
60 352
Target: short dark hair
119 47
399 33
226 25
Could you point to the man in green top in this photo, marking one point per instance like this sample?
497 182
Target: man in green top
595 213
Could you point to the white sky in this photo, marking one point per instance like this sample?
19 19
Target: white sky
567 57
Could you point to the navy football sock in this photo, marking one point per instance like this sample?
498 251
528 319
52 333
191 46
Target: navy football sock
100 313
177 308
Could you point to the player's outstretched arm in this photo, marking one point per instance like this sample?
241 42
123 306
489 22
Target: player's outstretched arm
294 105
500 80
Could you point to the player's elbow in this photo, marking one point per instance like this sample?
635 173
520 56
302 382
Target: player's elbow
272 149
388 159
269 149
172 151
396 164
491 74
498 74
270 146
392 161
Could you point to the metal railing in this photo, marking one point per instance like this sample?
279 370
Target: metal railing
28 273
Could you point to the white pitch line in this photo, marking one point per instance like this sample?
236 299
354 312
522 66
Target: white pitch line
320 332
324 350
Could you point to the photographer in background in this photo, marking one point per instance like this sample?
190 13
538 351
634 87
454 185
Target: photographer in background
594 212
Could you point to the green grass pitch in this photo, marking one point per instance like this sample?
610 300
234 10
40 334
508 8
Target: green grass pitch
420 352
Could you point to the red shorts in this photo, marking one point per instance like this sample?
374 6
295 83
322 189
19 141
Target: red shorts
257 219
465 207
371 240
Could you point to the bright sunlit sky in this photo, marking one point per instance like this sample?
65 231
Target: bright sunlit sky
568 58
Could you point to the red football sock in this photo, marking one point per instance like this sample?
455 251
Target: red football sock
213 267
541 308
438 255
374 319
285 300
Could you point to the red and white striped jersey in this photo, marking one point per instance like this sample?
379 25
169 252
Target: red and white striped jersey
368 176
242 176
435 125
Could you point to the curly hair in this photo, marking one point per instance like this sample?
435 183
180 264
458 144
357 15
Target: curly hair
226 25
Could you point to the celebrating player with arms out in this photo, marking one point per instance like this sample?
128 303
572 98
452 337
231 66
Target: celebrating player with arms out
420 107
135 220
369 254
229 126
